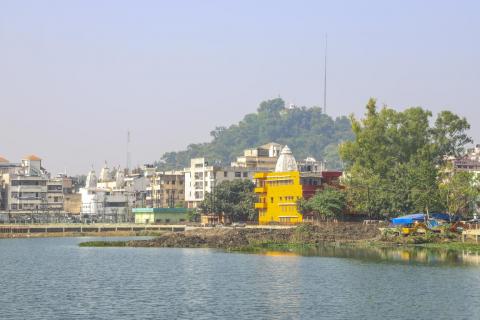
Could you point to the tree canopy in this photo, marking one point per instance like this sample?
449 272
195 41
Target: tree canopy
308 131
327 203
393 163
235 199
460 190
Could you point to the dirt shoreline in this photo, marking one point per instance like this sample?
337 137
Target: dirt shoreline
328 234
241 238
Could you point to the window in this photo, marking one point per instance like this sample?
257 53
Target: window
245 174
276 183
271 199
238 174
225 174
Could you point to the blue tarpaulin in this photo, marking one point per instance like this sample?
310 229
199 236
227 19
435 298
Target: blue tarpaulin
419 217
440 216
411 218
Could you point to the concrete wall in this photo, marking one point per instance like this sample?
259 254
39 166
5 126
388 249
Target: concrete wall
150 217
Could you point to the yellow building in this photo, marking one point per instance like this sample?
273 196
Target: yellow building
278 193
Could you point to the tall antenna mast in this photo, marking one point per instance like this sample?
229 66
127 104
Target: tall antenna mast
128 150
325 77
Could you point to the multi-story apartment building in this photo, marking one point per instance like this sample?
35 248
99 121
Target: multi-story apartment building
201 178
173 191
55 195
470 162
263 158
25 186
167 190
5 168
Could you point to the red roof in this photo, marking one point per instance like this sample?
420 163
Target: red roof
32 157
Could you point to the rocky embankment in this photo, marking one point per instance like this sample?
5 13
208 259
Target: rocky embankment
227 238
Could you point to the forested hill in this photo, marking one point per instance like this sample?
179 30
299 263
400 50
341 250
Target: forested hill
307 131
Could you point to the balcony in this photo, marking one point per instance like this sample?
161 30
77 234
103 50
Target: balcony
260 175
260 205
260 190
28 188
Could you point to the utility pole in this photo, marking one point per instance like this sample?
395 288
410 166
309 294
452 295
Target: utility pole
325 77
368 202
128 151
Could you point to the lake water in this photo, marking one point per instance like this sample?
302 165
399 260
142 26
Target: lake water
53 278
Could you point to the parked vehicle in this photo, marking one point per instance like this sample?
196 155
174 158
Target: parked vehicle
239 224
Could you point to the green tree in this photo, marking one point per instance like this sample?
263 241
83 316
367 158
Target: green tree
392 163
326 204
459 190
193 215
235 199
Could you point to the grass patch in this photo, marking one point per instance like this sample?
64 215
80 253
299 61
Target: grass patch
103 244
457 246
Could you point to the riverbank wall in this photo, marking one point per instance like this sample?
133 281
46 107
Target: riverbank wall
75 230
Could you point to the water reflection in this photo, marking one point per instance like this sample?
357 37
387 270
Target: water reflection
407 255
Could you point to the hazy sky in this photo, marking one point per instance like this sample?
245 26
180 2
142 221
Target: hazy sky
75 75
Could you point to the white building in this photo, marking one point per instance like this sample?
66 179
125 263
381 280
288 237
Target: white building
111 197
310 164
201 178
